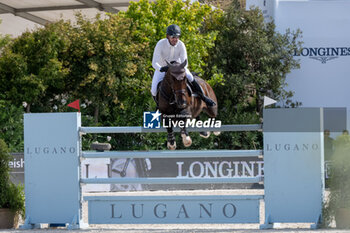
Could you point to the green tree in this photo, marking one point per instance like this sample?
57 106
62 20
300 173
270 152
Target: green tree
339 183
103 63
31 70
254 60
4 40
11 125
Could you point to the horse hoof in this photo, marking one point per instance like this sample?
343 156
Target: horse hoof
171 147
186 140
204 134
216 133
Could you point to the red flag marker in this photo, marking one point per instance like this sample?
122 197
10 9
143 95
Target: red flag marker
75 105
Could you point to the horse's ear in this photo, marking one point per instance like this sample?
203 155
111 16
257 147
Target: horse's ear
167 63
183 64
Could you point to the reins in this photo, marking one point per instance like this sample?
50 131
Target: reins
170 98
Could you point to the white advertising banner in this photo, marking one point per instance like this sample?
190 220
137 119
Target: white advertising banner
323 78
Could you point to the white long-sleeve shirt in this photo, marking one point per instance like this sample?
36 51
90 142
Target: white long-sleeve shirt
164 51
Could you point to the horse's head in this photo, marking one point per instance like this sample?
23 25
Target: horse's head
176 76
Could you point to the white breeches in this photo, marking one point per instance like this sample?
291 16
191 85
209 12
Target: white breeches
158 76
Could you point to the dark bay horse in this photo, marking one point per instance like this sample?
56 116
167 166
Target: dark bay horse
176 100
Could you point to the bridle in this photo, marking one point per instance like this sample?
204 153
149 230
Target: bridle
181 91
175 92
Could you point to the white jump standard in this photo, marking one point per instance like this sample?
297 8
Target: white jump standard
293 176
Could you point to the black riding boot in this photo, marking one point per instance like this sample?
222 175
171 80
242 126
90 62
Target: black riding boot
209 102
155 100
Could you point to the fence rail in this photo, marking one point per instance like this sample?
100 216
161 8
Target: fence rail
140 129
173 154
126 180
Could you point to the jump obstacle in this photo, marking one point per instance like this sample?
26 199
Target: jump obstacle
293 175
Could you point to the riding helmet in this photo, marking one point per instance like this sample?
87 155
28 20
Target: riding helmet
173 30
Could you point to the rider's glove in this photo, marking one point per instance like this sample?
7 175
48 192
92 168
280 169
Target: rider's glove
164 69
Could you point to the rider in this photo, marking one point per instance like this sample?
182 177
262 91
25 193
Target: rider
172 49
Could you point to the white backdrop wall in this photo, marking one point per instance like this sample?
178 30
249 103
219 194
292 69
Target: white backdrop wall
324 77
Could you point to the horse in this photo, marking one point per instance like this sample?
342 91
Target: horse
175 99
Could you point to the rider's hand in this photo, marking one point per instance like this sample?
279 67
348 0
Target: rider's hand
164 69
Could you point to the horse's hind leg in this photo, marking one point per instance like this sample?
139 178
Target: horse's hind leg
203 134
186 139
216 133
211 111
171 143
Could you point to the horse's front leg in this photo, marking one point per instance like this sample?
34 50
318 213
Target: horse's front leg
186 139
171 144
